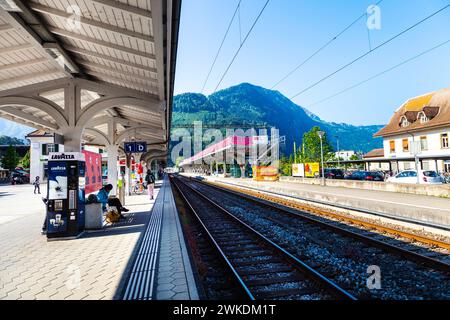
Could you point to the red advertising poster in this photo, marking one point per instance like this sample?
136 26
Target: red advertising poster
93 176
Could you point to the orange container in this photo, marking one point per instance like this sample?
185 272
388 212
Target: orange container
265 173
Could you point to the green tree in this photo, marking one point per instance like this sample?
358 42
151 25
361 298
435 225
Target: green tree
286 165
354 157
26 160
311 147
10 159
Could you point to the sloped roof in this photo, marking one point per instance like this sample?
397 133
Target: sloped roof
39 133
375 153
435 105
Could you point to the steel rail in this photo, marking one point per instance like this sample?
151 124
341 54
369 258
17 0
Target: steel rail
314 275
210 236
431 262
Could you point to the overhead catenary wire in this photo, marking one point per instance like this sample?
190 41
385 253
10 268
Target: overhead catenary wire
242 44
370 51
381 73
323 47
221 44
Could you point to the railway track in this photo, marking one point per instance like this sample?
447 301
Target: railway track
263 269
350 248
432 259
213 277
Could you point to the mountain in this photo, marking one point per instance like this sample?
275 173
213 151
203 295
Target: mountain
249 105
14 130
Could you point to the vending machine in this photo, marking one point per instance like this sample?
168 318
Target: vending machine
66 195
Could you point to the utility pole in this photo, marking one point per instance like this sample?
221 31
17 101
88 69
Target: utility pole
321 135
339 164
415 149
295 153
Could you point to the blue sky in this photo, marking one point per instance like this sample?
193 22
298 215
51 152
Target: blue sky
290 30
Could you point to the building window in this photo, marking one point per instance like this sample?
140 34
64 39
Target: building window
423 143
50 147
392 146
426 165
444 141
423 118
404 122
447 167
405 144
407 165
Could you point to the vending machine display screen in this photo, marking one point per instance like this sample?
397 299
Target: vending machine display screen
57 181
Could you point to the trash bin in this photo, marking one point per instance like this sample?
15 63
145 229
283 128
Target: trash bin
94 216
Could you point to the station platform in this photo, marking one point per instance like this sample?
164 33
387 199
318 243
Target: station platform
162 269
101 264
431 211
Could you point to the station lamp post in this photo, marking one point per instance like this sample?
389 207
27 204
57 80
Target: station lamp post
321 135
338 152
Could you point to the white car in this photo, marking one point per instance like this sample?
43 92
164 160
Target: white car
410 176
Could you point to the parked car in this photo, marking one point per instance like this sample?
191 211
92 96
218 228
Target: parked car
365 176
331 173
19 177
410 176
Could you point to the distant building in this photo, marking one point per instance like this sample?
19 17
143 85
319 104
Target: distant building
42 143
423 124
373 155
345 155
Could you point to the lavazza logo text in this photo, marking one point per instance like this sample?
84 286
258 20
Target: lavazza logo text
63 157
59 168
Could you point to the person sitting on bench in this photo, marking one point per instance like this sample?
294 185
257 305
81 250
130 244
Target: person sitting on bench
103 198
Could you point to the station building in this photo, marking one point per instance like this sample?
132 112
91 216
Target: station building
420 127
237 155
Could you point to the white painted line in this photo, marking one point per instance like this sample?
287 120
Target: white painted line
376 200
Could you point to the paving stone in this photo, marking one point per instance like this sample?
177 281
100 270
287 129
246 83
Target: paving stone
171 263
165 280
33 267
165 295
180 288
179 281
181 296
179 275
165 286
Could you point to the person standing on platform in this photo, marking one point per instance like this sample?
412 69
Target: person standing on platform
150 180
37 185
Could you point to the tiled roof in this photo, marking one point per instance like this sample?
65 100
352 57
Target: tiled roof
436 107
39 133
375 153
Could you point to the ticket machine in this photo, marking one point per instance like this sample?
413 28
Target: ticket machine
66 195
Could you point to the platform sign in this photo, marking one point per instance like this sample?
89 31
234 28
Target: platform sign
129 147
141 147
298 170
135 147
312 169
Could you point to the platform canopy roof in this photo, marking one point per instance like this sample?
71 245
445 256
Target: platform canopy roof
230 142
117 56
